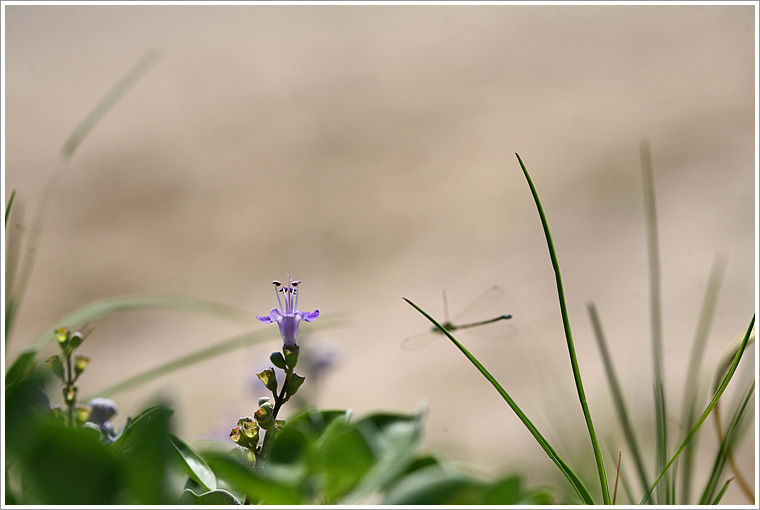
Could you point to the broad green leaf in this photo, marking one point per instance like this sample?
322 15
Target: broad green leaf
393 439
67 466
193 465
341 456
214 497
434 486
261 487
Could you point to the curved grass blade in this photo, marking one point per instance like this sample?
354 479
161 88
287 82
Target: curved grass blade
9 206
561 464
722 492
67 151
718 393
569 339
727 445
218 349
106 306
617 397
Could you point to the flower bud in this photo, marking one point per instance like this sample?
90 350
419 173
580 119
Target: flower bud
269 379
265 417
264 400
278 360
76 340
291 355
62 337
69 394
295 382
80 363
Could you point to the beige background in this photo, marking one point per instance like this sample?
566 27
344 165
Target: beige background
369 151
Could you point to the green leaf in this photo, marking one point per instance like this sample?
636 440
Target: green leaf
393 439
66 466
261 487
434 486
214 497
145 452
341 456
193 464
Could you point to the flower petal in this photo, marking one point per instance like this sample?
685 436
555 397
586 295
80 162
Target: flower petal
310 316
272 317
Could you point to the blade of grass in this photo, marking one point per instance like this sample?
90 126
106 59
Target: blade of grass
718 393
198 356
561 464
9 206
617 396
67 151
706 314
107 306
569 339
650 212
722 492
727 444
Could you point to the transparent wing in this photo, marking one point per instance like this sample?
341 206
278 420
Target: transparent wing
474 312
482 307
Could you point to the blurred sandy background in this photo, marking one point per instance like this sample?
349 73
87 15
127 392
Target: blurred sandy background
369 152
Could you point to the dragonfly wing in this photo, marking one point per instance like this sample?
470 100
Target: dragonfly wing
479 308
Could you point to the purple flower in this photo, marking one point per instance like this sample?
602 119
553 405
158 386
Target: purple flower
288 318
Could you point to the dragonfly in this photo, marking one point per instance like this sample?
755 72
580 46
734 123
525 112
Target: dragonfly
487 298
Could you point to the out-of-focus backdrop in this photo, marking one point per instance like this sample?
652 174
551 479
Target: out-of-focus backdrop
369 152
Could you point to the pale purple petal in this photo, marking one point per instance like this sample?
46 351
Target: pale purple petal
272 317
310 316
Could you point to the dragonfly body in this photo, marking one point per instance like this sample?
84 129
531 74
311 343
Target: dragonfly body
491 295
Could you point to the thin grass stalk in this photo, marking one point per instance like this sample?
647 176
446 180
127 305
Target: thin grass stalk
571 476
727 443
67 151
655 311
569 339
718 393
738 477
706 314
617 396
9 206
722 492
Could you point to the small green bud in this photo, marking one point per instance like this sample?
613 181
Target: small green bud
265 417
291 355
55 365
82 413
269 379
235 434
295 382
242 421
76 340
80 363
62 336
264 400
69 394
278 360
